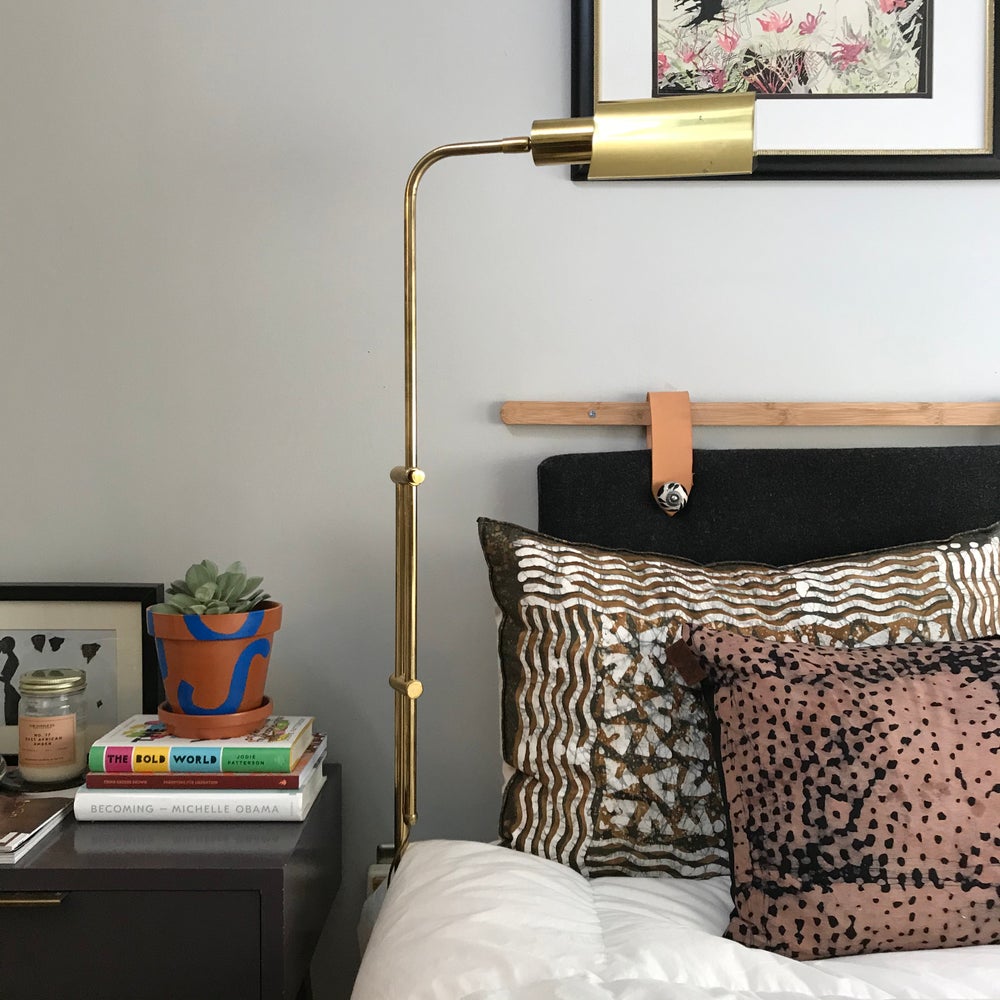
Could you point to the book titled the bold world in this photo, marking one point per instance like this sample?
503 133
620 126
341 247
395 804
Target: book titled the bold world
142 744
311 760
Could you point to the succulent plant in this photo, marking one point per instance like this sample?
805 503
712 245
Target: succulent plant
206 591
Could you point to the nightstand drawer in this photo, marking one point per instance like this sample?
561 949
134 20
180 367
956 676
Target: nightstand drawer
110 945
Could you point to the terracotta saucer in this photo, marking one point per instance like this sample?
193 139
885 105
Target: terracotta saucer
215 727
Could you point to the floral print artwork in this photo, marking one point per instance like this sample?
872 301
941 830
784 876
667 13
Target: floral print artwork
793 48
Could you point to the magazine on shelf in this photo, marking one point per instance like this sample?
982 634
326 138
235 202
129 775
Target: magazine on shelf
25 821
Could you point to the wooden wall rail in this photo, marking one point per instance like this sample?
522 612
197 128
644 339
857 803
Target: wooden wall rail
763 414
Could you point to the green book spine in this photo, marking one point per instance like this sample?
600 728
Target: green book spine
256 759
140 745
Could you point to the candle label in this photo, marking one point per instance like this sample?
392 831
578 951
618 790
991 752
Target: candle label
46 740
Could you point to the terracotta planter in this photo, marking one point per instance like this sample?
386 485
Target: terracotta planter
215 666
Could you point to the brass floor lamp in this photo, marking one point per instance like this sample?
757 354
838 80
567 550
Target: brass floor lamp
688 136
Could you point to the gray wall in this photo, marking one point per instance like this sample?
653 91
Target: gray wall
200 318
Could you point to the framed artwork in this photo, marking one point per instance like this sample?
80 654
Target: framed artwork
96 627
845 88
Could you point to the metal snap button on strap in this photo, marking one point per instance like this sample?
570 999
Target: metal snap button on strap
672 497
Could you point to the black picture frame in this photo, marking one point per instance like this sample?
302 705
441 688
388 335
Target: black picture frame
819 166
61 607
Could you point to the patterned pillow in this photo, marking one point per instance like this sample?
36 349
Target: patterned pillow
862 788
612 769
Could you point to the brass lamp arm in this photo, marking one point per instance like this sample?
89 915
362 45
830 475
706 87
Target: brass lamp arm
519 145
407 478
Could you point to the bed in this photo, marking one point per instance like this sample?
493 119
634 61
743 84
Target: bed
639 856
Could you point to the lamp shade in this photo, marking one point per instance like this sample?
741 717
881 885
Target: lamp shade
685 136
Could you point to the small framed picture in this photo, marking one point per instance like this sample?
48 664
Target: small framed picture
95 627
845 88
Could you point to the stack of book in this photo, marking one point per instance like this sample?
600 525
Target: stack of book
25 821
139 772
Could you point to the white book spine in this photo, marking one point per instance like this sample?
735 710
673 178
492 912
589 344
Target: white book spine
209 805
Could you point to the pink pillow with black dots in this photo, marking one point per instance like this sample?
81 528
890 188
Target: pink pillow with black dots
863 792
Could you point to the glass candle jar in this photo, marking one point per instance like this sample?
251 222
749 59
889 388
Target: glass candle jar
51 725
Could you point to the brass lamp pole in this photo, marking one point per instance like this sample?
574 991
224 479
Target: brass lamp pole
689 136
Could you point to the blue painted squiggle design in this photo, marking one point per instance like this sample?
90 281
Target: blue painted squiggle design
198 628
161 656
237 687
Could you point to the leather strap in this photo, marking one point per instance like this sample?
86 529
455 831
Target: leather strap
669 437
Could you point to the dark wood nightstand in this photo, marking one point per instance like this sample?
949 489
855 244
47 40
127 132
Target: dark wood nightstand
185 911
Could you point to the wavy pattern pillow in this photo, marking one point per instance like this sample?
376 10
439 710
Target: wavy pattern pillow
609 747
864 793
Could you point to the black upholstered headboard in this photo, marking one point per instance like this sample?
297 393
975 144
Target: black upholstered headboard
774 505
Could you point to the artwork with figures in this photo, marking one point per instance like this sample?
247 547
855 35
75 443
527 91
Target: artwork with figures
90 650
794 48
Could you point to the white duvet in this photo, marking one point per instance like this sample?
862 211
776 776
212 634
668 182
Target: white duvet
479 922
